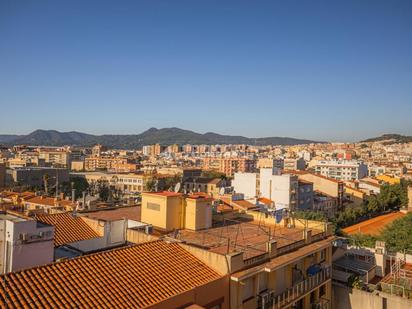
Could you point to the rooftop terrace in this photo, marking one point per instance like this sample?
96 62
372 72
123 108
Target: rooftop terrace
247 236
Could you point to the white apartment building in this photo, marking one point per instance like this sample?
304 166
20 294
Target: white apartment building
342 169
269 183
24 243
247 184
280 188
294 164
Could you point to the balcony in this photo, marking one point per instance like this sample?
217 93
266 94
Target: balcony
271 300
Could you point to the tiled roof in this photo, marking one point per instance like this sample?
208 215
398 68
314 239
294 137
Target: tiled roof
373 226
130 212
49 201
132 277
68 228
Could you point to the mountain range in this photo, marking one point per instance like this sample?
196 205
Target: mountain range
390 139
165 136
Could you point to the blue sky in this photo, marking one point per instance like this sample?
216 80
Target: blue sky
326 70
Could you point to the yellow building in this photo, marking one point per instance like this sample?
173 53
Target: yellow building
270 265
389 179
171 211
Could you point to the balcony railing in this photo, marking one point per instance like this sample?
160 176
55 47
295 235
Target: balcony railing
276 301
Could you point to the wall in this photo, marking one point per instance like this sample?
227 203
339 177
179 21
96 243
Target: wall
346 298
245 183
2 175
154 217
330 187
174 216
19 254
198 214
207 295
138 237
276 187
113 233
216 261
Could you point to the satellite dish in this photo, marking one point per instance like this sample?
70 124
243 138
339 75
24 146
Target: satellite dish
222 191
177 187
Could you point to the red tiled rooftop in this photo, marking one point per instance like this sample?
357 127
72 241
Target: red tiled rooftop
131 213
373 226
68 229
132 277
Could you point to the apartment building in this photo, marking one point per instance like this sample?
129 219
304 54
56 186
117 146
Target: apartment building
24 243
57 158
285 190
270 163
272 265
230 166
175 148
294 164
103 163
280 188
305 195
342 169
327 186
154 150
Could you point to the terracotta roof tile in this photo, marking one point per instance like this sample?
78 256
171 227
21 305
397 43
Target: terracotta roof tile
68 228
137 276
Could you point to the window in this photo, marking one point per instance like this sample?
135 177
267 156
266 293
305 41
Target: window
153 206
322 291
323 255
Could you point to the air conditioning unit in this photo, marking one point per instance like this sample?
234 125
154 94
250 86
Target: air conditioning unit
24 236
264 300
148 229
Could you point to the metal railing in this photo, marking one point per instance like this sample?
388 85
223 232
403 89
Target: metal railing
291 247
276 301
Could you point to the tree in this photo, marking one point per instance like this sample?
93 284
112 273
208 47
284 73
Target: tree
80 184
213 174
104 193
363 240
398 235
310 215
101 187
170 182
150 184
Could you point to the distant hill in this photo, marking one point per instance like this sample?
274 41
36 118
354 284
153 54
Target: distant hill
390 139
165 136
5 138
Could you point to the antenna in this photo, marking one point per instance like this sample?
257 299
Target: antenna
177 187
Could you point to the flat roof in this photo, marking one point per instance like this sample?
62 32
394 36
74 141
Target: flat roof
242 236
130 212
165 193
12 218
285 259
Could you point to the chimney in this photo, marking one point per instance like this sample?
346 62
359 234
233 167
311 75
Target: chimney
73 195
84 199
61 196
